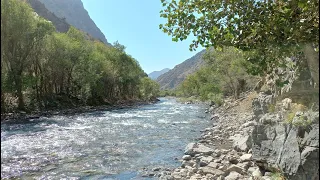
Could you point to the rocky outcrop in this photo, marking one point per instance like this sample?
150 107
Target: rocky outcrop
291 148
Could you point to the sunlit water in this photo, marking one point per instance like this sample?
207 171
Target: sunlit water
115 144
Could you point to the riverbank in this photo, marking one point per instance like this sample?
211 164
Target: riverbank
22 116
247 141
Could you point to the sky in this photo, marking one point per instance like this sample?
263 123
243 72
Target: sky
135 24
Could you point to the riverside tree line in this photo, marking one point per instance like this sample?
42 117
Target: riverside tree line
44 69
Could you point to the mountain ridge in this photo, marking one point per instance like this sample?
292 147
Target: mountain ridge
175 76
155 74
76 15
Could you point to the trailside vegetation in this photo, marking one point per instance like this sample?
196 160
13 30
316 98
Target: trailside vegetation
43 69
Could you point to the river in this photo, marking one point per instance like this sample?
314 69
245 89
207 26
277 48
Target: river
113 145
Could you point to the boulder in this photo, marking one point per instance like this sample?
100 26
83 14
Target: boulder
241 142
186 157
195 148
246 157
292 149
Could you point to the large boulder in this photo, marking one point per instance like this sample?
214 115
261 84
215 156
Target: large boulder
241 143
292 149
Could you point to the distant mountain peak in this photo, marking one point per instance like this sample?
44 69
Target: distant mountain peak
155 74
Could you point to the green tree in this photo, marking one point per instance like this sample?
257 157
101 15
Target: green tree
263 26
21 32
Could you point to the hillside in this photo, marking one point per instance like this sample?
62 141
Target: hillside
155 74
59 23
76 15
175 76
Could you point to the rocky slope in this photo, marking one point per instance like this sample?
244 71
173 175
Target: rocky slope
155 74
175 76
75 14
247 141
60 24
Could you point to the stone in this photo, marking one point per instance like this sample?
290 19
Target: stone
233 160
210 170
252 169
257 173
236 169
156 169
241 142
233 175
195 148
213 165
246 157
186 157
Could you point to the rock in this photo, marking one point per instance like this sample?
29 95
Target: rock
207 159
261 103
186 157
233 176
241 142
244 165
266 178
156 169
257 173
246 157
214 116
236 169
213 165
252 169
233 160
210 170
224 151
248 124
291 148
286 103
194 148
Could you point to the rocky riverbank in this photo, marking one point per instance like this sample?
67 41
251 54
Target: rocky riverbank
247 141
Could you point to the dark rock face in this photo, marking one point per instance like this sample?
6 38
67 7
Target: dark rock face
175 76
292 149
76 15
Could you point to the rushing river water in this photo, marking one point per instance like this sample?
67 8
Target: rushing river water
115 144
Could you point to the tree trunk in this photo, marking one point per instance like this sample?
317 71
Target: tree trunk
18 84
313 63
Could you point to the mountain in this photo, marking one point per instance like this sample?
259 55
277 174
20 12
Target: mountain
59 23
76 15
175 76
155 74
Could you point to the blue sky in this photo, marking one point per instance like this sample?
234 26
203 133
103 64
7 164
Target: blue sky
135 24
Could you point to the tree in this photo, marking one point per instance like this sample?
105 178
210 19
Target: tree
263 26
21 32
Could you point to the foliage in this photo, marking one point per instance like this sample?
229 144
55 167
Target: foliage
46 69
149 88
243 24
270 30
223 74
